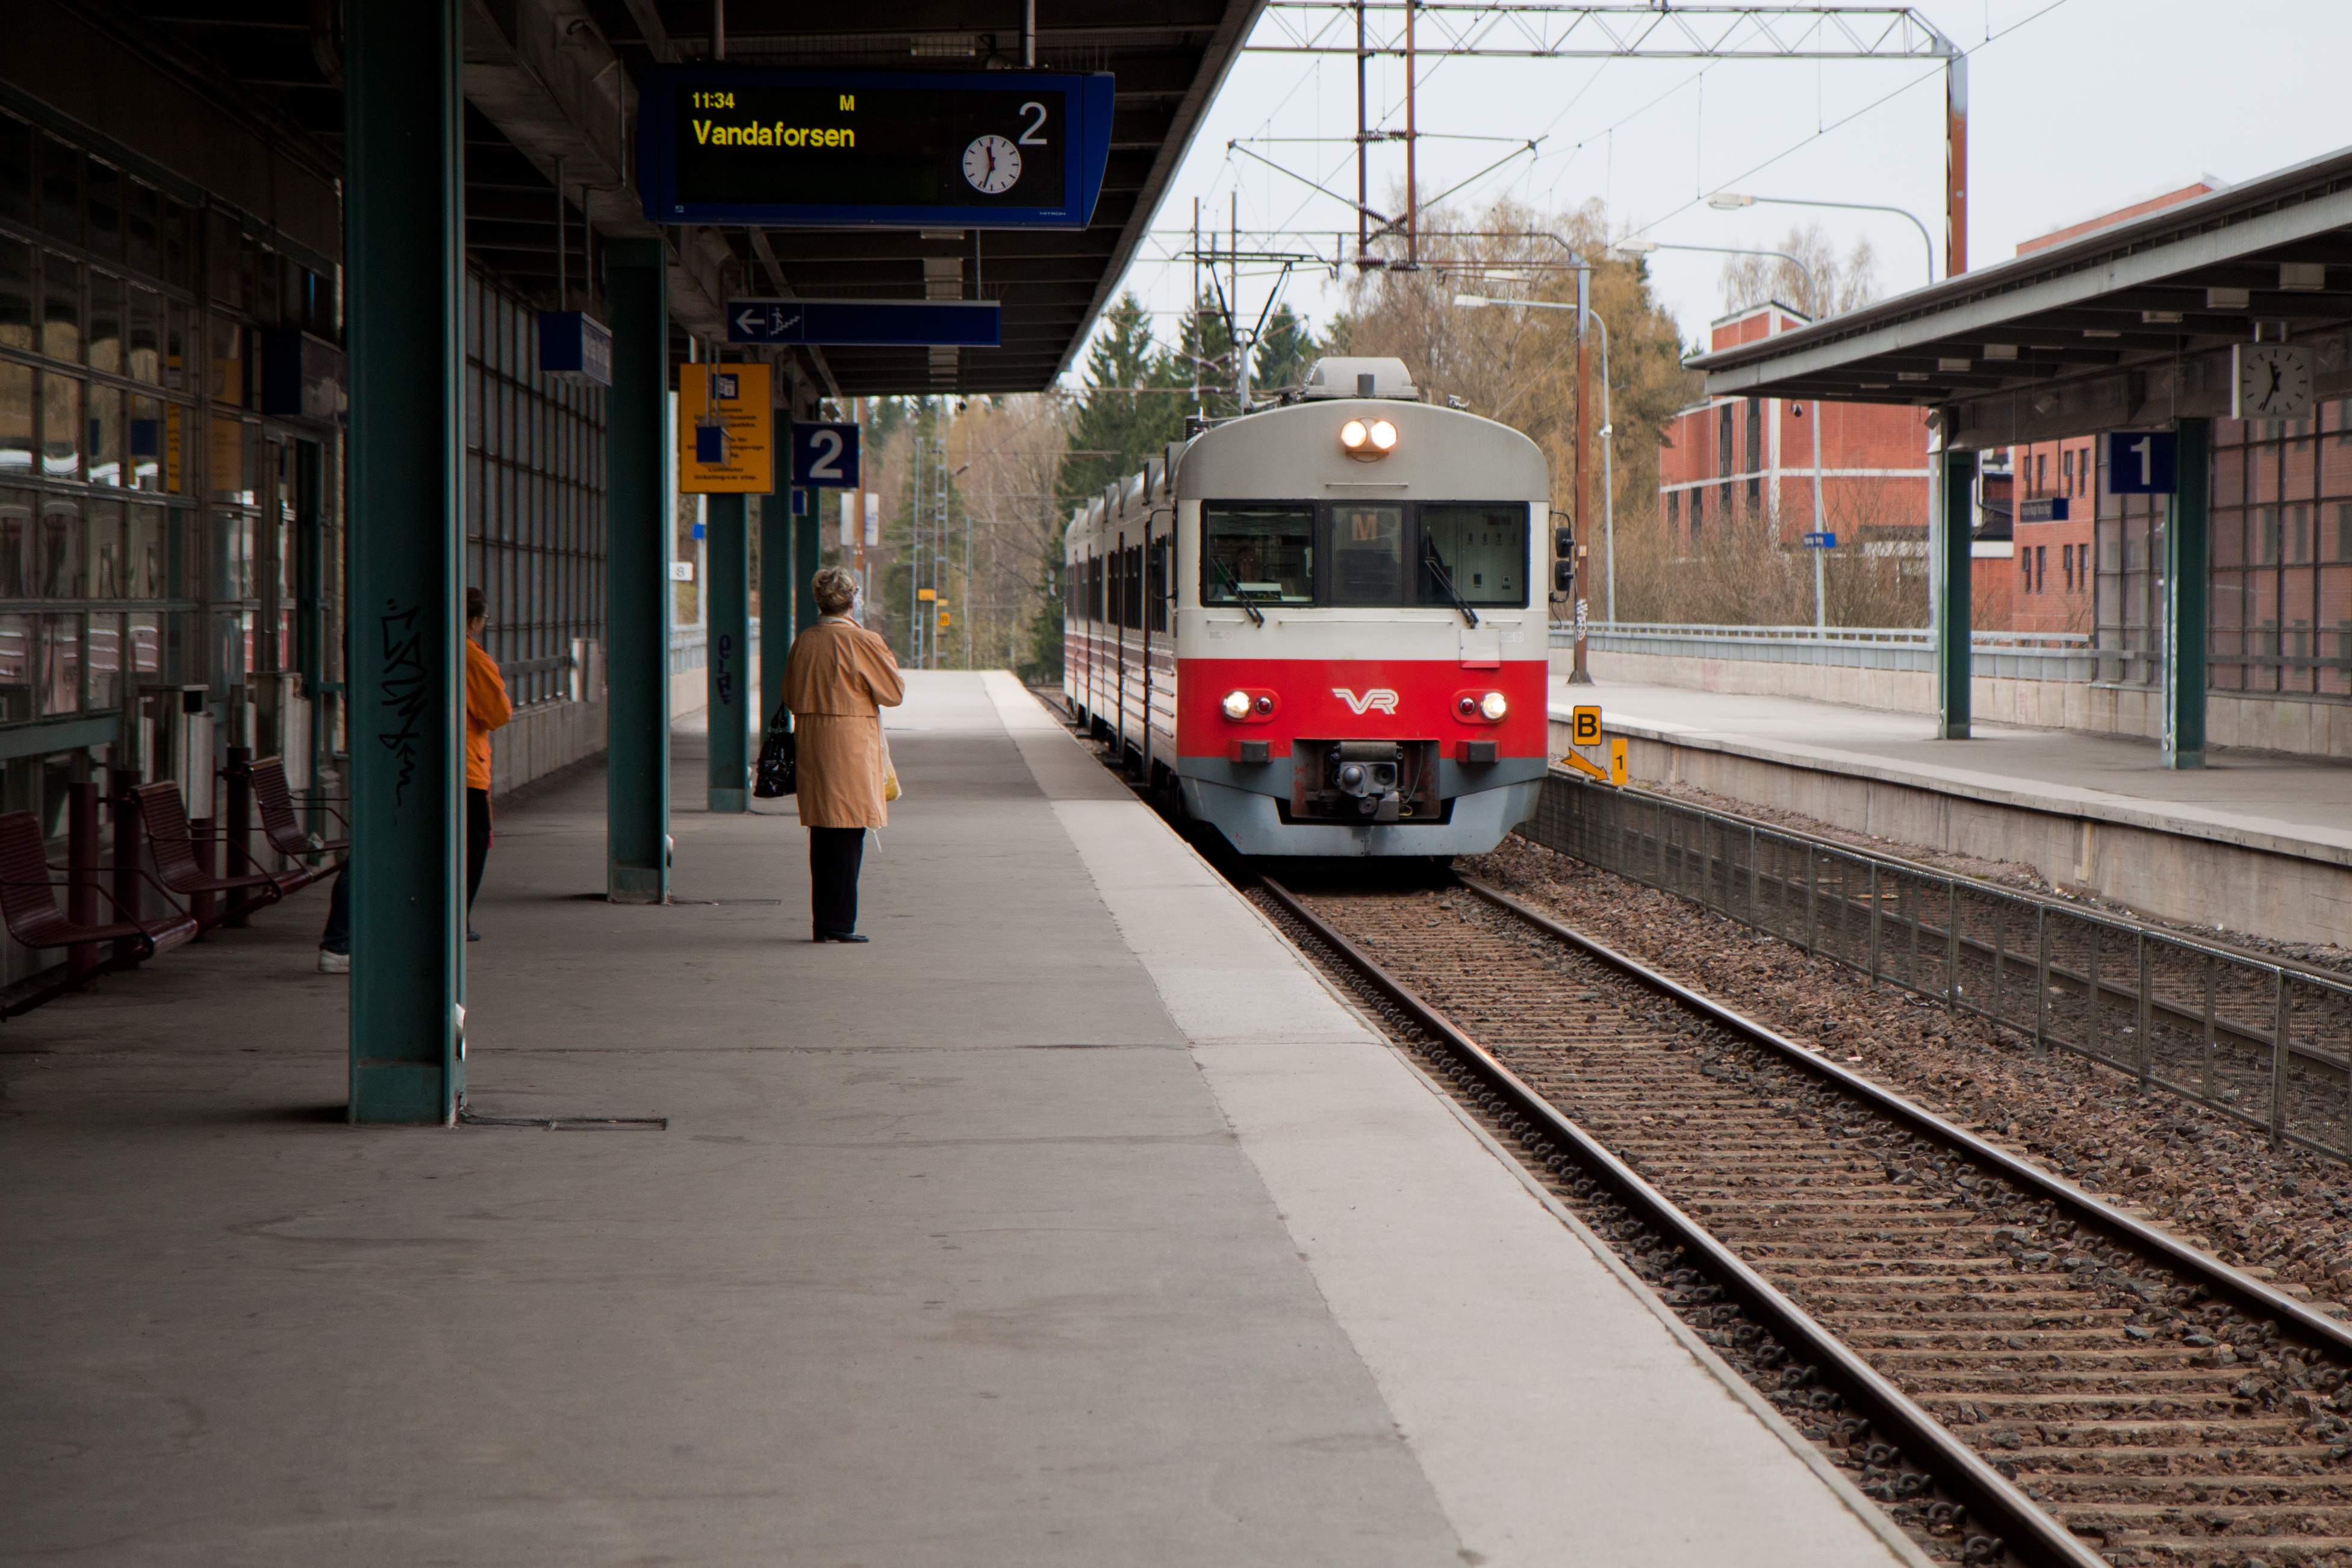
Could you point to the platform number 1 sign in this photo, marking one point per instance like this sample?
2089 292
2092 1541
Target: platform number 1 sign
2139 462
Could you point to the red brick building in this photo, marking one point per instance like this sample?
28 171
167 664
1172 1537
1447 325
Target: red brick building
2055 495
1751 458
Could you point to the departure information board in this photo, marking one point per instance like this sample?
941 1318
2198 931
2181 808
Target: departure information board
904 149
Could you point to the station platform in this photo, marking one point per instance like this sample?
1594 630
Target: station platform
1073 1220
2252 842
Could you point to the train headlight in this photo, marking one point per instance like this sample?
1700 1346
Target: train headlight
1494 705
1367 439
1237 706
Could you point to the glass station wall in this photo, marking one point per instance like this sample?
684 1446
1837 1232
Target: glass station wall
2281 572
534 502
2282 554
153 525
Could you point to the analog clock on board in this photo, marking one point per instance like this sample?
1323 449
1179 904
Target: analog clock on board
992 164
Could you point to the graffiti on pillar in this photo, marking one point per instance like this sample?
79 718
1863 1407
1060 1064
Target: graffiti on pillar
722 671
402 691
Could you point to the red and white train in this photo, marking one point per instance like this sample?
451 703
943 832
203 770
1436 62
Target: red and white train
1323 625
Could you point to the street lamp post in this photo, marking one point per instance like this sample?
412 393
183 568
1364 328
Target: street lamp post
1642 247
1579 676
1732 200
1608 426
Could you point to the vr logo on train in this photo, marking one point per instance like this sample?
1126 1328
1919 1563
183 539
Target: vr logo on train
1379 698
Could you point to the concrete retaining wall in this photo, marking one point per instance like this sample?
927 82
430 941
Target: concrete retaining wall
2301 727
2200 873
541 740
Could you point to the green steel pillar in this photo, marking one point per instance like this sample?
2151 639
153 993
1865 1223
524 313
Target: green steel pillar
403 244
637 576
727 600
808 541
2186 583
776 626
1953 545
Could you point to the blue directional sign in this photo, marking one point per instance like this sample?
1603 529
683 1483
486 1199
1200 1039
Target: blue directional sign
872 149
2139 462
886 323
825 455
2050 509
1821 542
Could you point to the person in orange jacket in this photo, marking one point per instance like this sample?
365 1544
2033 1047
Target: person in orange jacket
487 709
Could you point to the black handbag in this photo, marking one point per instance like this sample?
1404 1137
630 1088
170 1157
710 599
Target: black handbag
780 766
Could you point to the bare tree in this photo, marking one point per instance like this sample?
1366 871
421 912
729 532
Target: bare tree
1843 283
1519 366
1740 573
1010 450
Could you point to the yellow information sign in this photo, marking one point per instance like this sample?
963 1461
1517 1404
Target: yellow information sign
927 594
1584 729
726 430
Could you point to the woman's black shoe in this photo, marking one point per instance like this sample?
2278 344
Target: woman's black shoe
847 936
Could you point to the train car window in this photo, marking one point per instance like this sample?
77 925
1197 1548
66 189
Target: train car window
1367 552
1155 585
1482 547
1133 595
1256 552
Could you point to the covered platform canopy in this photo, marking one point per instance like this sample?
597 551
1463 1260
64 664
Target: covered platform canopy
498 139
551 84
2130 326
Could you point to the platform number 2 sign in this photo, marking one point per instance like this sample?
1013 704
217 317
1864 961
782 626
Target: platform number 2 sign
824 457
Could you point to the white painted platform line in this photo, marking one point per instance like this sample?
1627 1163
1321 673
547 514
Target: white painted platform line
1557 1419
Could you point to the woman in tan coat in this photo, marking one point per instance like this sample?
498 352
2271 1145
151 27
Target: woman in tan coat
837 681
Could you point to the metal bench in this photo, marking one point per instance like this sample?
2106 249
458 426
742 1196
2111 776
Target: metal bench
283 830
165 819
29 904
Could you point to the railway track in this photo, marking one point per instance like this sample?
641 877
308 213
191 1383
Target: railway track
2264 1041
2015 1371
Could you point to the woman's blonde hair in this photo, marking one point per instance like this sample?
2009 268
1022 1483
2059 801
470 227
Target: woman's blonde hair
836 590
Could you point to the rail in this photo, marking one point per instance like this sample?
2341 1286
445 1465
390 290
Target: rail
2268 1044
1993 1502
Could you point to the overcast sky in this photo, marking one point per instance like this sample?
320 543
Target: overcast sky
2074 108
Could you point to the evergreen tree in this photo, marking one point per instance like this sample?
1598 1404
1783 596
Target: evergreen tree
1204 356
1126 417
1285 349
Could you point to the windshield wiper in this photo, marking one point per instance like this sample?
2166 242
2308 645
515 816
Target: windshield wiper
1436 564
1241 594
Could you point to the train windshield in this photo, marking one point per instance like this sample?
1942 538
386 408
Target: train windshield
1264 554
1367 552
1482 550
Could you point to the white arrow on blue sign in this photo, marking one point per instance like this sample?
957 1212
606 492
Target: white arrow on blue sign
883 323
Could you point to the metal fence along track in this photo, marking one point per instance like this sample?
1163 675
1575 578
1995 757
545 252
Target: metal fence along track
2267 1044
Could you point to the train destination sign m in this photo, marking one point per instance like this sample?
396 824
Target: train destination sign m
868 149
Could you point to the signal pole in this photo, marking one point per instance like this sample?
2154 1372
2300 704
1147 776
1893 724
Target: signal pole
1578 675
